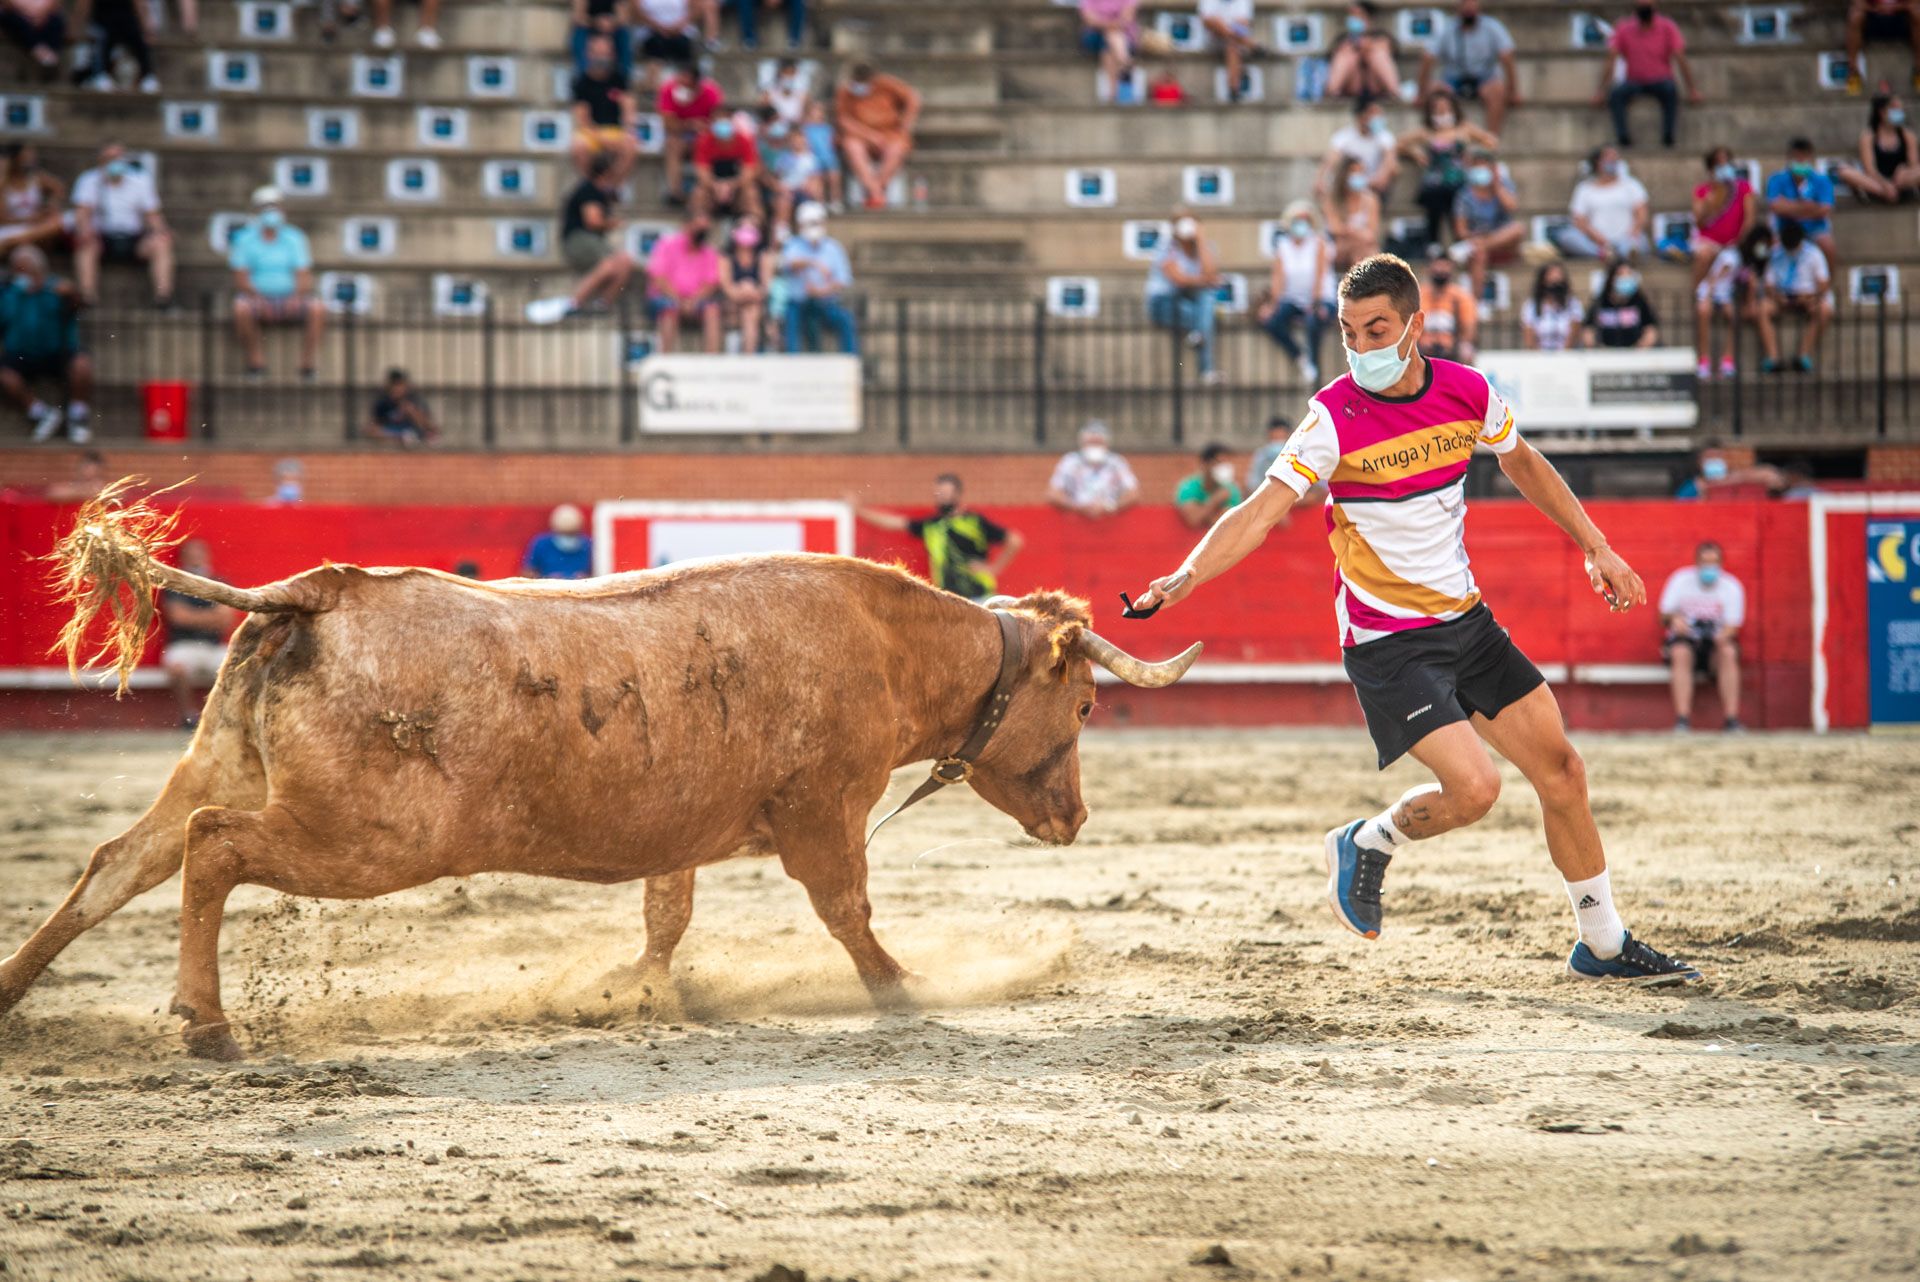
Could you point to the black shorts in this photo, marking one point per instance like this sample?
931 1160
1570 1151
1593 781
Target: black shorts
1702 647
1886 26
660 46
29 367
1412 683
117 247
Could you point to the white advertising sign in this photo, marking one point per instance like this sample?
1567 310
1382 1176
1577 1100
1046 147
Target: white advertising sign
1629 388
699 393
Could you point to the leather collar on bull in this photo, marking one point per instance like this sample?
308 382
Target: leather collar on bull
958 768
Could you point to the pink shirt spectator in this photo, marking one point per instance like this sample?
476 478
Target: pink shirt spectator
1648 48
677 267
1724 228
689 102
1109 11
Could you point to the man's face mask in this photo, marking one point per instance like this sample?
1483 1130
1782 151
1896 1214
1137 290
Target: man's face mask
1356 25
568 542
117 169
1300 229
1709 575
271 217
859 88
723 130
813 233
1801 168
1714 469
1222 473
1094 453
1480 175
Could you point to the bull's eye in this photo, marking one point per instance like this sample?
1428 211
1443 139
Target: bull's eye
1086 710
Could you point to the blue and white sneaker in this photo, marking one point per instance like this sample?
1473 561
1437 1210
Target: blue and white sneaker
1639 963
1354 875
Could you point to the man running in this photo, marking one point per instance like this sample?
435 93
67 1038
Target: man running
1434 673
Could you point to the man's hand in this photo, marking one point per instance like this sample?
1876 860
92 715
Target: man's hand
1169 589
1615 580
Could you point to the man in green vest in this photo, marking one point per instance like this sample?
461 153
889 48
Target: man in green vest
966 552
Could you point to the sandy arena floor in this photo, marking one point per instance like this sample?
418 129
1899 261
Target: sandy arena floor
1148 1050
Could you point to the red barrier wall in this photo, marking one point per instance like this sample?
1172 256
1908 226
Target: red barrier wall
1277 608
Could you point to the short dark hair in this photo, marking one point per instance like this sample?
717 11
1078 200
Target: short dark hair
1367 7
1705 546
1382 274
1799 144
1363 103
1279 423
1711 159
1793 234
396 375
1213 452
949 478
862 71
601 165
94 456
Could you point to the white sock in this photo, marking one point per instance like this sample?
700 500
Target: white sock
36 409
1381 833
1600 926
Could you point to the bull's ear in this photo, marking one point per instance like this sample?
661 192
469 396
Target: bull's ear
1063 643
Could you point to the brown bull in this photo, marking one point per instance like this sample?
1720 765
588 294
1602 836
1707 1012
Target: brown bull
378 729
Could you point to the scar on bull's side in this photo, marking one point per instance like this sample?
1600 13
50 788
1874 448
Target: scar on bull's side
411 730
593 719
527 683
722 667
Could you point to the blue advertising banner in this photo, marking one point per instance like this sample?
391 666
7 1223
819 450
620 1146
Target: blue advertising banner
1893 620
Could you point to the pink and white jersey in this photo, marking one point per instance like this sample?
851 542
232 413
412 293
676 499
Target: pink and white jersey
1396 505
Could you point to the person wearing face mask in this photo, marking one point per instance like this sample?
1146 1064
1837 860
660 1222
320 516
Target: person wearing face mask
1181 281
1435 674
40 343
1360 63
819 275
1621 315
1452 327
1202 496
563 552
1472 54
1369 142
1610 212
1797 282
1703 608
1651 49
1300 289
1352 211
1486 228
683 282
1894 21
117 218
748 11
1725 208
1801 193
272 269
603 112
967 552
1110 31
788 92
1552 319
1730 278
1093 481
1439 149
876 115
726 170
1889 168
686 102
1229 26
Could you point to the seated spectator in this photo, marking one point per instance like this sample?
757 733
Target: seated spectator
875 115
603 113
1205 494
826 149
40 343
820 274
1727 286
587 228
1652 48
38 27
726 170
117 217
748 11
1439 148
289 483
1801 193
564 551
1180 289
683 283
427 36
196 634
1893 21
610 18
797 176
31 201
1110 30
400 414
1367 141
1279 428
1165 89
670 32
1610 211
789 92
1703 609
1360 63
746 280
1300 289
1889 168
1798 282
1452 330
686 102
1352 211
1229 23
1486 230
1725 208
117 27
966 551
1093 481
1552 319
88 479
1621 316
1473 56
273 283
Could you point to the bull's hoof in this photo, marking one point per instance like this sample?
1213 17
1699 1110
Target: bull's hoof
211 1041
660 1000
894 996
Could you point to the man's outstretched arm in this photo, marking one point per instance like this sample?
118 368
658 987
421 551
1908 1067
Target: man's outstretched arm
1539 482
1238 531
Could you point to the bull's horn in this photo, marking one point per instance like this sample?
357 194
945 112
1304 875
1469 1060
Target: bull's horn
1137 672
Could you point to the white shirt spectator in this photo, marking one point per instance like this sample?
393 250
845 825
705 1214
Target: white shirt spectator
1610 207
1724 604
1801 273
789 97
1299 261
119 208
1237 14
1370 147
1085 484
669 16
1553 326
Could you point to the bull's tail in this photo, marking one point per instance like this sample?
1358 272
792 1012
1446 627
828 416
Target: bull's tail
108 564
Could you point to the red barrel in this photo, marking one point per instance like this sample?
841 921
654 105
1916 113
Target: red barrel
166 408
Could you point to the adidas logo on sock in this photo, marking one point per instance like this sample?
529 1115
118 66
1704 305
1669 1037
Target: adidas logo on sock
1587 901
